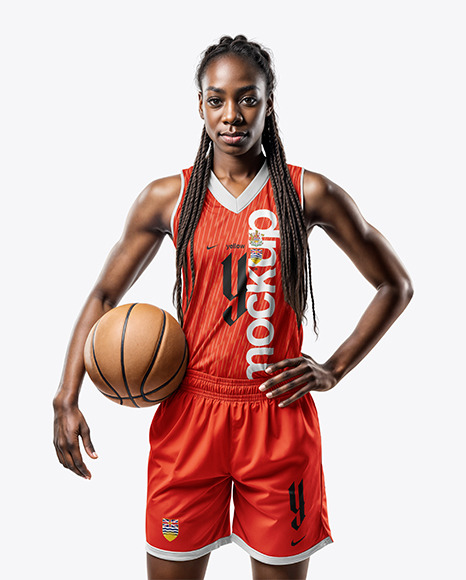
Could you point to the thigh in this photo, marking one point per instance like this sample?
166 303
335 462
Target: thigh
158 569
261 571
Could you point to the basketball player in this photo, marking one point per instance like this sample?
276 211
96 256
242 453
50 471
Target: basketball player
243 418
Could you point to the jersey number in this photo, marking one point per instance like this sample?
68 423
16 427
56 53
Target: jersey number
240 287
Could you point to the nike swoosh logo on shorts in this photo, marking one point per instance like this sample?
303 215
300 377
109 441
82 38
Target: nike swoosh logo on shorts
294 543
210 247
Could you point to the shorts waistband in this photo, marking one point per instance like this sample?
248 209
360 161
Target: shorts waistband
224 388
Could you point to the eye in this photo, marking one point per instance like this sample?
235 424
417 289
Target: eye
250 100
214 101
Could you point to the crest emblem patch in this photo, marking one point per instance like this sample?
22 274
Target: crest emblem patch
170 529
255 241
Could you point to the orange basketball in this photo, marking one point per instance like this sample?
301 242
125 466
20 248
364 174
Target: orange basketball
136 355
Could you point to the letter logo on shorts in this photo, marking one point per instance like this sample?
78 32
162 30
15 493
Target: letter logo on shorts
297 508
240 287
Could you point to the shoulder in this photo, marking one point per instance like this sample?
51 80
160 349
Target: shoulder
162 191
313 185
324 201
157 201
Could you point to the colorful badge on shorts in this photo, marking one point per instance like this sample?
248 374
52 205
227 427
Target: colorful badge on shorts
255 241
170 529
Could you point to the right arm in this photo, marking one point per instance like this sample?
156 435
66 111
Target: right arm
147 223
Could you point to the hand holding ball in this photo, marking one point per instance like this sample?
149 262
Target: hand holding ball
136 355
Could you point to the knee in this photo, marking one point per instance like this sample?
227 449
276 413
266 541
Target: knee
159 569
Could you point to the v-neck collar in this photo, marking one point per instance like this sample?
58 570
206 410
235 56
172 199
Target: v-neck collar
237 204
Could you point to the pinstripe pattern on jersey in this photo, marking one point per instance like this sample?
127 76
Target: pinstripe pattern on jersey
221 316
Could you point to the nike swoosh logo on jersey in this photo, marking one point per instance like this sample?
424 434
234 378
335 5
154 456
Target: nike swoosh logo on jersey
294 543
210 247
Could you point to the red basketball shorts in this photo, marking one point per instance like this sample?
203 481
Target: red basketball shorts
216 436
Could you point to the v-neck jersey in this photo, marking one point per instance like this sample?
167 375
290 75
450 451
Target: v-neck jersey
237 204
237 321
224 198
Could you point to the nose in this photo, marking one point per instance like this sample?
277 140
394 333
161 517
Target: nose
231 113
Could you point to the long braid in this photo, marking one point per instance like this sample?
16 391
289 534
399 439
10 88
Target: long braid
295 255
296 278
189 217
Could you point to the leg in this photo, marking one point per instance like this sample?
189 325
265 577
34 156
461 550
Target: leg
261 571
158 569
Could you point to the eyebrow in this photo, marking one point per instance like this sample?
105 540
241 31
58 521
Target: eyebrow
240 90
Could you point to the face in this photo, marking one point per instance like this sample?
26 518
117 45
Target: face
234 104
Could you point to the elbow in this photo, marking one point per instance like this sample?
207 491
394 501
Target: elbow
407 289
403 290
400 290
100 295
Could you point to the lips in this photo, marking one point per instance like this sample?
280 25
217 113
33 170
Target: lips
233 137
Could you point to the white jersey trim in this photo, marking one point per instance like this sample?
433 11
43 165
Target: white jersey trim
237 204
183 556
279 559
172 218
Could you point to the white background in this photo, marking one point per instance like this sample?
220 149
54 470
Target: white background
97 100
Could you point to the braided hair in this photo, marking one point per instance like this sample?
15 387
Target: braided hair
295 255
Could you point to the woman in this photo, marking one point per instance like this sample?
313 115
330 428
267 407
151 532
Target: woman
244 415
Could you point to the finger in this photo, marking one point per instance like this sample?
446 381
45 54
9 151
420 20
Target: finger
293 398
63 457
80 466
291 385
88 446
60 456
280 378
68 462
58 451
73 460
288 362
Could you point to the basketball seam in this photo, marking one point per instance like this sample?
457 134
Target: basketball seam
135 397
122 356
154 356
171 378
101 373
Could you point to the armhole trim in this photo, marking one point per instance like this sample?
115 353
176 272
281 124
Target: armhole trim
172 219
302 188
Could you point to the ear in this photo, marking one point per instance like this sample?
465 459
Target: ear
201 103
269 108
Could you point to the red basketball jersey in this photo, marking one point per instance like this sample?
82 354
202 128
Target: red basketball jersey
238 322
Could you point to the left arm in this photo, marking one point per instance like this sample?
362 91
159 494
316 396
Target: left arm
327 205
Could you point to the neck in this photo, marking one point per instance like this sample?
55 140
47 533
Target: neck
237 167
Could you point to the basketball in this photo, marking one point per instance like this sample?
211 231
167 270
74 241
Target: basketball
136 355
